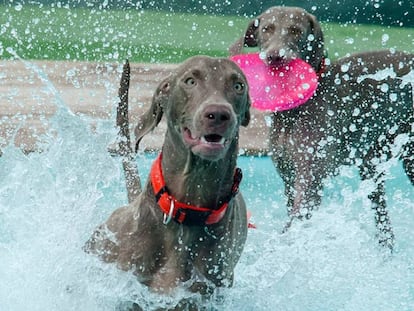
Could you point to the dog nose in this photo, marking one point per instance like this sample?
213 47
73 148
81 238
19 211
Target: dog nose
275 59
276 56
216 115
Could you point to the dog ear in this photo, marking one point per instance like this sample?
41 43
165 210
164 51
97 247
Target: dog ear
317 52
248 40
150 119
250 37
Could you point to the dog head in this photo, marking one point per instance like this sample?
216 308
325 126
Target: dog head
205 101
283 34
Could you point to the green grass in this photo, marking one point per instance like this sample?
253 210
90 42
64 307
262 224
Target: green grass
57 33
341 40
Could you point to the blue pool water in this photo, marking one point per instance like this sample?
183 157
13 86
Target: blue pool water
50 202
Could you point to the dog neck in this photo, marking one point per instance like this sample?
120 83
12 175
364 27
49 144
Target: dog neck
183 212
196 181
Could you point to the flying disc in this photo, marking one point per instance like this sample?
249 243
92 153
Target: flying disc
277 88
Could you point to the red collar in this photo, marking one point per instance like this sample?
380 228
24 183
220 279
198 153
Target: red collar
184 213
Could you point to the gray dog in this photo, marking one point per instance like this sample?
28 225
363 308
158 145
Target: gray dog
188 227
362 110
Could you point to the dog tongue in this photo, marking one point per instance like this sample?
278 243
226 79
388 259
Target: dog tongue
277 88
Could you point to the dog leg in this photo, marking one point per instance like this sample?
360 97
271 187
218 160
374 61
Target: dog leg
303 198
132 180
382 220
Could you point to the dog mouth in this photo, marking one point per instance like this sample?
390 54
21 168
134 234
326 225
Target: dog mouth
210 146
213 139
277 58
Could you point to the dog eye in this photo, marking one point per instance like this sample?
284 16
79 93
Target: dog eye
268 28
295 30
239 87
190 81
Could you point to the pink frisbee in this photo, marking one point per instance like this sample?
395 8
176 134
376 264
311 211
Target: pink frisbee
277 88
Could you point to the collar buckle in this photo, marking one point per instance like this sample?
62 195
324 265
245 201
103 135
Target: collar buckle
167 218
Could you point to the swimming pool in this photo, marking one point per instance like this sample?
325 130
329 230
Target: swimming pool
51 201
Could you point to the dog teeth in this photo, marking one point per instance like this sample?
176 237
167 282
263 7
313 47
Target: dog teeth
219 142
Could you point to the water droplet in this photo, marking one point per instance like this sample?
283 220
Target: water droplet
352 128
356 112
385 38
393 97
262 55
344 67
349 40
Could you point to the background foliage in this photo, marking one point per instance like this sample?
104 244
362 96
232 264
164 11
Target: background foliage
383 12
105 32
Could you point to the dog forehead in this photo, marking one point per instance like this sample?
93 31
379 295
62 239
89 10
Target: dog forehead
278 13
207 67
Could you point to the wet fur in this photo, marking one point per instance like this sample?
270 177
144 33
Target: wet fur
198 257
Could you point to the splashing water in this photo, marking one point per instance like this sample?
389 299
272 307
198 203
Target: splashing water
50 202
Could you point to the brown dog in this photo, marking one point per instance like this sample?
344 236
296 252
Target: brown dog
362 107
189 224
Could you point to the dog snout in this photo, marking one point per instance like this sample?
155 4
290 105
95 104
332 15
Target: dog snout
277 57
215 115
218 119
